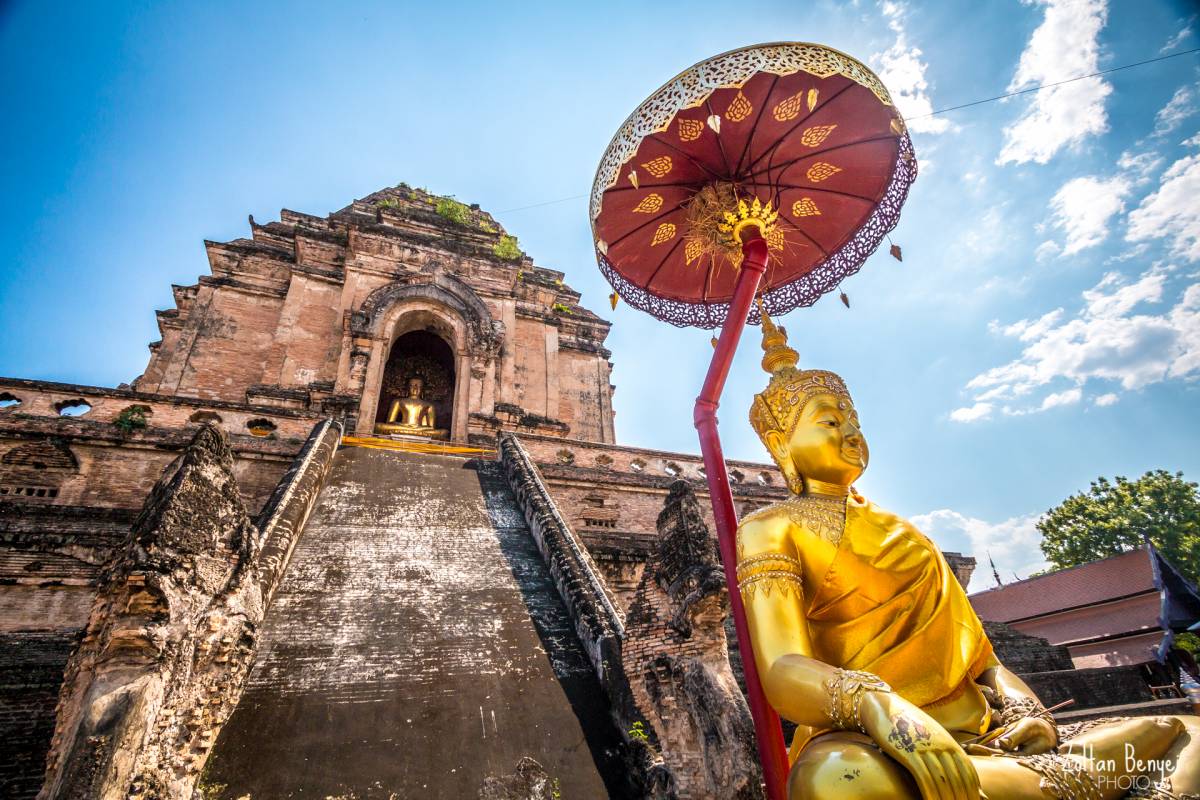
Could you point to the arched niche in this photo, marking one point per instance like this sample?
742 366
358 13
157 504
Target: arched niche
423 354
440 305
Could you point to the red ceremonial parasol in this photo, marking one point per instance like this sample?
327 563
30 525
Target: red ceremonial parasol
783 165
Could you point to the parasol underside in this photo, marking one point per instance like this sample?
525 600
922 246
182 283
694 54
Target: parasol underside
828 150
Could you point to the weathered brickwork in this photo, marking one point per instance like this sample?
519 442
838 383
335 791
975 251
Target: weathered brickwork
599 624
31 669
102 464
677 661
416 647
303 314
1024 654
611 496
50 561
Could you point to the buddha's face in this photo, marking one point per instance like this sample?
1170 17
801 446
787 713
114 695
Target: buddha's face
826 444
415 386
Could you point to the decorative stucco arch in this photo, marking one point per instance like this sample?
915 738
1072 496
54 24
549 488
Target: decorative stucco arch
443 305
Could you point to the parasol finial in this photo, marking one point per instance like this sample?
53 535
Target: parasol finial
776 353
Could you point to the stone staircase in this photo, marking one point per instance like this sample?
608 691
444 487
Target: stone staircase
416 646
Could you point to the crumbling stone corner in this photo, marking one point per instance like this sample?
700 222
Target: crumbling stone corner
677 659
172 632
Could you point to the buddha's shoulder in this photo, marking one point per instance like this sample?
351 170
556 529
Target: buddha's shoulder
772 523
761 517
764 529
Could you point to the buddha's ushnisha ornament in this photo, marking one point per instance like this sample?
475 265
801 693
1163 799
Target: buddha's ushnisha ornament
779 165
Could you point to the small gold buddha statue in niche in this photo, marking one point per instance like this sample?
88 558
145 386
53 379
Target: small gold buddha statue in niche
865 639
412 415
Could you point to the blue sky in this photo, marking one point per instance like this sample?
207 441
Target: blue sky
1043 329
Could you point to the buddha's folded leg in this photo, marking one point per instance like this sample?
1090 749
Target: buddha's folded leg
1106 761
1174 769
847 765
1184 756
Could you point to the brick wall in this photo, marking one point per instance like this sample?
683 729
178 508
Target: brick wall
31 665
289 313
50 558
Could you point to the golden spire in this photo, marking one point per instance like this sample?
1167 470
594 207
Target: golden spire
776 353
778 406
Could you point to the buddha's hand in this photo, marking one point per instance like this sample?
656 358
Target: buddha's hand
937 763
1029 736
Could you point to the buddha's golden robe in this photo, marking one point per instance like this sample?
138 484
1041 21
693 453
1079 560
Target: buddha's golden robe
890 605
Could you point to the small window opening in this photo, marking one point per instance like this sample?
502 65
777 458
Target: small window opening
29 491
73 408
260 427
9 400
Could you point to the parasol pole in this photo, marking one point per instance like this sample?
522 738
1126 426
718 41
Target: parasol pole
767 730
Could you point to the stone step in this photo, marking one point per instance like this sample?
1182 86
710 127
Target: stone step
416 646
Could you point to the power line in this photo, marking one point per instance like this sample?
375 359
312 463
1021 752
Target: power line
1056 83
547 203
947 110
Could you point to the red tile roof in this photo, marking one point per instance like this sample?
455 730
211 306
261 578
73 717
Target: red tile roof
1098 621
1088 584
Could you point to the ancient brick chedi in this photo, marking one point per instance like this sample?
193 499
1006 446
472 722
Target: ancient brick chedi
128 603
307 313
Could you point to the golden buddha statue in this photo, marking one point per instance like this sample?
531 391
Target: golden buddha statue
412 415
864 638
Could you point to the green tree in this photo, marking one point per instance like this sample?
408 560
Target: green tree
1113 517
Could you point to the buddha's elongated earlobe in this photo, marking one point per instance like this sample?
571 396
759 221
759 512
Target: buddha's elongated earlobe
777 446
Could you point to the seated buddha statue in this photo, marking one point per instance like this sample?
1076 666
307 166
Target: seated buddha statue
412 415
865 639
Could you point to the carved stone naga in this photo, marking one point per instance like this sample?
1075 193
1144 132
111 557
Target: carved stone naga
168 643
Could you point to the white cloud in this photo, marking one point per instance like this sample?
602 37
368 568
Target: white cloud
901 69
1046 251
1181 106
1114 338
1083 207
1013 544
1172 211
1178 39
1138 167
1065 45
1112 297
973 413
1028 330
1068 398
1108 399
